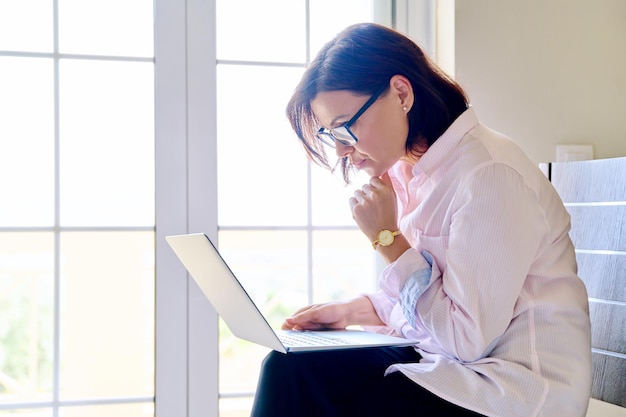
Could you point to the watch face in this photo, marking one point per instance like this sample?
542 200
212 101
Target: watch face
385 238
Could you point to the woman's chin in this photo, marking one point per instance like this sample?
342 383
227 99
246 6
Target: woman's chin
373 172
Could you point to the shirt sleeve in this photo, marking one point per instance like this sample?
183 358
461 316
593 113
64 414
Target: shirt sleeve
401 283
496 230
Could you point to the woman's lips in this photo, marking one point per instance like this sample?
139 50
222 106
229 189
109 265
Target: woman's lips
359 164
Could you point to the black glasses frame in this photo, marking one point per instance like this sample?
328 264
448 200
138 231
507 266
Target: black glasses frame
343 134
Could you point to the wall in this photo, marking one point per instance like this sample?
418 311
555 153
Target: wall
546 72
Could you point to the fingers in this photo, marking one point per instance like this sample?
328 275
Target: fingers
385 179
358 197
297 323
376 184
315 317
290 324
365 193
369 191
299 319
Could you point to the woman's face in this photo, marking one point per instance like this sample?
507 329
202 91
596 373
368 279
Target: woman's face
381 131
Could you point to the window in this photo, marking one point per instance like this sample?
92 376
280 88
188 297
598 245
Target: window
77 218
284 226
78 87
224 151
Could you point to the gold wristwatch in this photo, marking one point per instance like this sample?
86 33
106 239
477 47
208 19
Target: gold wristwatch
385 238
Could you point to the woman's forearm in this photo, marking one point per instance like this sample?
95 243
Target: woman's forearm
361 312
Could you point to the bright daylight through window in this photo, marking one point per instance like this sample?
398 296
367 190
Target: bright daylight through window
77 176
77 218
284 227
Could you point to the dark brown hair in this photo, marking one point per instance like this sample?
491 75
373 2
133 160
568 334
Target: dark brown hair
362 58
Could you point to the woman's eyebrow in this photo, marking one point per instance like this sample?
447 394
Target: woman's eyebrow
334 123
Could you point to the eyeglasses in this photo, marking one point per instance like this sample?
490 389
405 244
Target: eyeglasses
343 134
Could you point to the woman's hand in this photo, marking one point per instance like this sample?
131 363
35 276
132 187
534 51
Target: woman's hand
334 316
318 317
375 207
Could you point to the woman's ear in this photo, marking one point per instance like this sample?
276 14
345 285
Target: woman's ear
402 87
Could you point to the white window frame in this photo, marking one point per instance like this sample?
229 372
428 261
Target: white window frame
186 326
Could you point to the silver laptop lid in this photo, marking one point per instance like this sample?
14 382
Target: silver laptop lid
219 285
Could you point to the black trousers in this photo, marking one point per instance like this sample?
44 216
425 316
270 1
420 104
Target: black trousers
345 383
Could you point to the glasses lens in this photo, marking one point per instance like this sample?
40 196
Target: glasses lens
339 134
325 137
343 135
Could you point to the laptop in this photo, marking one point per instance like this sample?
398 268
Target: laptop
231 301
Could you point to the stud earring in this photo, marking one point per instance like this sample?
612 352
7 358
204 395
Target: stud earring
404 108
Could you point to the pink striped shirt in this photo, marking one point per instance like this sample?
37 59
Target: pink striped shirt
503 319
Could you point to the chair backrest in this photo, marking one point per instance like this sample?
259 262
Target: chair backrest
594 193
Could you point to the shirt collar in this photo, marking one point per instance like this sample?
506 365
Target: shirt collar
444 145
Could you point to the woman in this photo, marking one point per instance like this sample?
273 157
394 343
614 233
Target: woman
480 266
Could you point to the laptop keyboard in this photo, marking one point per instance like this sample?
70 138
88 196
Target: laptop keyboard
310 339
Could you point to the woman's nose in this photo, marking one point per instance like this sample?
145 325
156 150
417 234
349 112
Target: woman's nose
343 150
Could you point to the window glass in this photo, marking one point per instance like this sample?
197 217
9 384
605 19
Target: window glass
261 164
285 227
76 152
330 195
106 27
117 410
253 30
329 17
344 265
26 316
272 267
35 412
26 142
107 314
26 25
107 143
235 407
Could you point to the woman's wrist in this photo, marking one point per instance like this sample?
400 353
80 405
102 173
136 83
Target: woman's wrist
360 311
392 252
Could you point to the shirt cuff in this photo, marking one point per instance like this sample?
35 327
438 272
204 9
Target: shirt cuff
382 305
395 275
